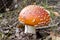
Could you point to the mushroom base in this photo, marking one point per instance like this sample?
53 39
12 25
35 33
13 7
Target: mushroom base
30 29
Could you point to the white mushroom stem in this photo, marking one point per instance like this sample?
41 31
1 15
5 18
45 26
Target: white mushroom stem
30 29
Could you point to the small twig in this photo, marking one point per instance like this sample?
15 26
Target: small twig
46 27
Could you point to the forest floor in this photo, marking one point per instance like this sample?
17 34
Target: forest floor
9 22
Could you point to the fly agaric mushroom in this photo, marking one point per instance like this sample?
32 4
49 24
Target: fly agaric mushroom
33 15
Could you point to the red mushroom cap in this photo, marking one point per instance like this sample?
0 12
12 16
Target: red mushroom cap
34 15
